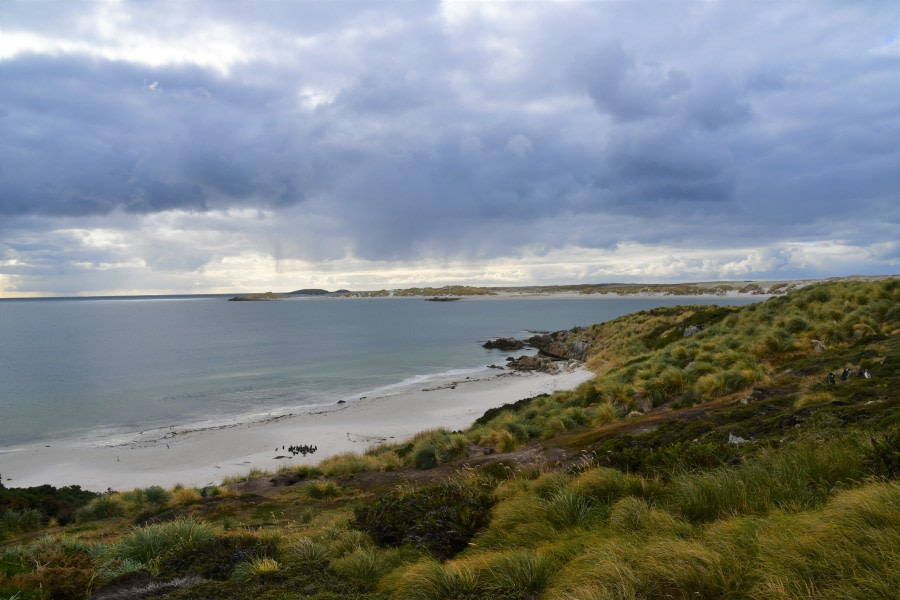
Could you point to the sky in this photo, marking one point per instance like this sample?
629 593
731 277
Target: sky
216 147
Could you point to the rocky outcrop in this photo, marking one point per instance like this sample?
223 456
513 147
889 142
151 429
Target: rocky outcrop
505 344
561 345
533 363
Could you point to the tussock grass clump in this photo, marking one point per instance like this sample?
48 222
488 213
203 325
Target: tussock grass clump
310 553
368 565
568 508
256 568
150 542
19 521
603 414
519 573
101 507
606 485
629 514
347 464
323 489
850 548
347 541
304 471
139 498
548 483
792 478
430 580
251 474
188 495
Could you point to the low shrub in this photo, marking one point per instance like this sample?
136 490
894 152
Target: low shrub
53 503
883 453
18 521
440 519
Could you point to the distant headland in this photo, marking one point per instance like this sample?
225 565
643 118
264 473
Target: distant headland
457 292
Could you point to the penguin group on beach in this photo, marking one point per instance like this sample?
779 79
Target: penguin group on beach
303 449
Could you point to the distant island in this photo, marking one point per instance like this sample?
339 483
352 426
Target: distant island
257 297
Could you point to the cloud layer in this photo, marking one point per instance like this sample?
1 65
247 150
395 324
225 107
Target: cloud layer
174 146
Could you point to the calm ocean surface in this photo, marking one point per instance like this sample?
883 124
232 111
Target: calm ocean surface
93 367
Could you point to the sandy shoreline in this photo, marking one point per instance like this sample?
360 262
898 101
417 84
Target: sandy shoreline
205 456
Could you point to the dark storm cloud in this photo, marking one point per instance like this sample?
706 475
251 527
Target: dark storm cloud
86 136
402 130
628 90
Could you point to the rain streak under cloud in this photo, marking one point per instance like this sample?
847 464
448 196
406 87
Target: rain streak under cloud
151 147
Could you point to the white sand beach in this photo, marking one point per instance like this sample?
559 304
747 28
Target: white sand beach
204 456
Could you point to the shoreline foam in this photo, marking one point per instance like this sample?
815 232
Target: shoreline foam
205 456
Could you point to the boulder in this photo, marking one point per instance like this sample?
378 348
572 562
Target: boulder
691 330
557 345
533 363
505 344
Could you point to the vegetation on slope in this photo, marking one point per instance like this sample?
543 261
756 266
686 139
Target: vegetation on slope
715 465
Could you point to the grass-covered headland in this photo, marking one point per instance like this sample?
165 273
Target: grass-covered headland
709 458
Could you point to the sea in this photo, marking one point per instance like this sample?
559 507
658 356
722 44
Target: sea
85 368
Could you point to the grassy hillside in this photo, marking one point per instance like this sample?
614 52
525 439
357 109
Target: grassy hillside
717 464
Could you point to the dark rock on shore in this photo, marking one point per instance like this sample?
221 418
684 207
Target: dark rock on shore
533 363
506 344
560 345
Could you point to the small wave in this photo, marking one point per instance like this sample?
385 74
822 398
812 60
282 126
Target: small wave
417 380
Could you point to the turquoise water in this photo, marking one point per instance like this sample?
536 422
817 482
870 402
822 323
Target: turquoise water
76 367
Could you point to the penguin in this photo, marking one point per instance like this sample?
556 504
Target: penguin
830 378
846 374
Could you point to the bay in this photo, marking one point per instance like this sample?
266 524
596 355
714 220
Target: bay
74 368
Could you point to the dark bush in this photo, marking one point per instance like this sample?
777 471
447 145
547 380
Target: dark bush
440 519
426 457
218 560
62 575
59 503
883 453
514 407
